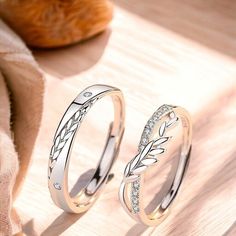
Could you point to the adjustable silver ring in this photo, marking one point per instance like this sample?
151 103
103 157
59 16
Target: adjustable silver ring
153 143
63 142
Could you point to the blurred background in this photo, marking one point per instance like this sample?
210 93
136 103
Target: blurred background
156 52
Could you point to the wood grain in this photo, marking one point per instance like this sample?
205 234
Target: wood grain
180 52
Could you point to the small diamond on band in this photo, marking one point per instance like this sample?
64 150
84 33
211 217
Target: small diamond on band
57 186
87 94
144 141
161 111
151 123
147 131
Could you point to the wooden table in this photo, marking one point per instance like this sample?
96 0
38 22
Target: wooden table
177 52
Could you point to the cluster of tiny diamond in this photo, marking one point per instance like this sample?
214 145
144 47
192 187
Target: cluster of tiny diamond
147 132
135 196
148 129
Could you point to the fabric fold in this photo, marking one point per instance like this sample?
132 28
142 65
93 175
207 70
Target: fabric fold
21 104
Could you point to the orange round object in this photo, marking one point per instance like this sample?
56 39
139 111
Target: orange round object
55 23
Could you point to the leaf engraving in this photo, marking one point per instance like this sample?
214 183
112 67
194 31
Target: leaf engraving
147 155
157 151
139 169
135 161
172 122
65 133
161 141
162 129
149 161
146 150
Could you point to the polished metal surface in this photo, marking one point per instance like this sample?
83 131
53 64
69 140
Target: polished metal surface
131 190
64 141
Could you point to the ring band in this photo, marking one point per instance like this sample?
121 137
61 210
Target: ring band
63 142
132 187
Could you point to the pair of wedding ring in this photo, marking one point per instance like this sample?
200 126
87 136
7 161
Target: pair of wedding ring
153 143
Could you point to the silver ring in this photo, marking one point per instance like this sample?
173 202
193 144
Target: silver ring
154 143
63 142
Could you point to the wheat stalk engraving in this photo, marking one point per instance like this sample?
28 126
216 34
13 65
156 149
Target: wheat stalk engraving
66 132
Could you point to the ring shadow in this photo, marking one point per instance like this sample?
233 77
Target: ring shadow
204 196
159 196
222 177
192 207
201 125
65 220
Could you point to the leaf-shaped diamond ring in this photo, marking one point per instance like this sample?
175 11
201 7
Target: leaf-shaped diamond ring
131 190
63 142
